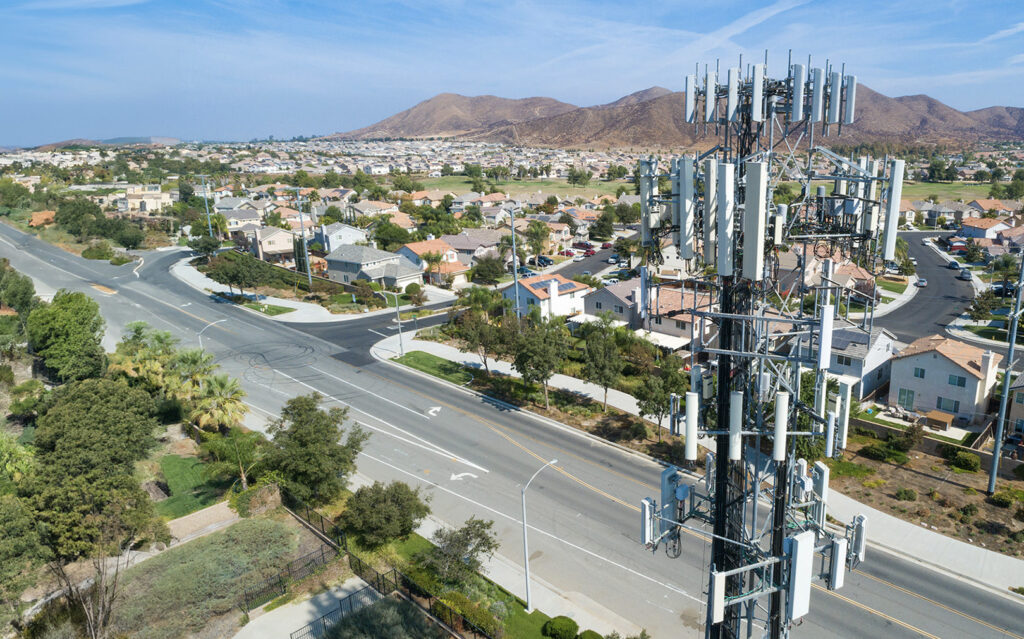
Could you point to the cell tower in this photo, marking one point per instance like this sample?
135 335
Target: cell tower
760 332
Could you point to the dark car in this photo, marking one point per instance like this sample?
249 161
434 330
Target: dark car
607 245
545 261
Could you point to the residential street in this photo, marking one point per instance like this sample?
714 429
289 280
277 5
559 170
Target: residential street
472 456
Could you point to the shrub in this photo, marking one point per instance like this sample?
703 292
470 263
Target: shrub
380 513
966 461
882 452
590 634
1002 499
970 510
413 288
1019 515
560 627
906 494
906 440
6 375
483 619
98 251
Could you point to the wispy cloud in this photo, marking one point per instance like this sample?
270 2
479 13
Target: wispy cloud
1004 33
50 5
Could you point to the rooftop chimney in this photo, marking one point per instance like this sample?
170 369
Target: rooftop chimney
988 371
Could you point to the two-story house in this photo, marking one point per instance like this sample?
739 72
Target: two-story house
274 244
449 268
331 236
863 355
237 218
1015 414
352 262
553 294
937 372
472 244
985 227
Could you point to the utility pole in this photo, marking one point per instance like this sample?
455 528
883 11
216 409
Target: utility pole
398 318
515 266
206 202
302 238
997 449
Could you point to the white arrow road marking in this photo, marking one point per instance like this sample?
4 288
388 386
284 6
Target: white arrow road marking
434 410
460 476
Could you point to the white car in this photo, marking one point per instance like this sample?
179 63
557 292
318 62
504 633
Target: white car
578 258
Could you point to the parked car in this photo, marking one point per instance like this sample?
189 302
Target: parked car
1007 291
586 272
913 261
612 280
922 282
582 245
965 275
1012 442
578 258
623 263
926 241
545 261
589 252
525 271
567 252
607 245
953 265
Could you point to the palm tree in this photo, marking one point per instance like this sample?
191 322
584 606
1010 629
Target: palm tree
191 366
433 260
234 454
220 405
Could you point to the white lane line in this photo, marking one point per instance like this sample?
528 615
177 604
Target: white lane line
343 381
534 528
377 332
135 270
432 446
267 412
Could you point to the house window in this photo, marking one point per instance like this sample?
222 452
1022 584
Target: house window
680 324
844 360
1018 397
919 373
957 380
530 301
948 405
906 399
878 373
618 309
1019 426
597 305
657 320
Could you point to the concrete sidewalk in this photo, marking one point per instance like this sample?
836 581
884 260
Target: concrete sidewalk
304 312
282 621
900 300
994 571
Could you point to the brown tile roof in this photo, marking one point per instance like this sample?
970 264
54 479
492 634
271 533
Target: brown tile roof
538 285
429 246
964 355
988 204
982 222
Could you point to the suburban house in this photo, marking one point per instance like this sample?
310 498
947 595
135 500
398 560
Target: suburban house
472 244
144 198
1015 414
369 208
449 268
986 205
1012 239
230 203
937 372
983 227
331 236
237 218
460 202
352 262
495 215
863 355
553 294
274 244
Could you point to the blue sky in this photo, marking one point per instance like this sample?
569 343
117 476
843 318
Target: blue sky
238 69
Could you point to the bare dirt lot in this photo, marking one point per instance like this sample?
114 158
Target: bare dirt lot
928 491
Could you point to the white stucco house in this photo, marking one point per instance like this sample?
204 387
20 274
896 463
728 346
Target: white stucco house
937 372
553 294
865 356
983 227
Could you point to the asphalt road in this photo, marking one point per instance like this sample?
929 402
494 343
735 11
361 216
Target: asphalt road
935 305
472 455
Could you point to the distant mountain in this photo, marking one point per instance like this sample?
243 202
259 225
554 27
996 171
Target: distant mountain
636 97
141 140
1011 118
53 146
450 114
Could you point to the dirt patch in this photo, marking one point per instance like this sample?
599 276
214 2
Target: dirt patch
947 500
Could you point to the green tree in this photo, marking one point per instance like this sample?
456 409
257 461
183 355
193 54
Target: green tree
1005 266
66 333
433 261
537 233
77 216
458 554
18 292
653 397
379 513
539 350
20 552
205 245
308 449
234 454
974 253
602 228
565 218
488 270
601 356
478 335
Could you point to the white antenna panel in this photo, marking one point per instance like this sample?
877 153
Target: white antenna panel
843 425
825 338
796 109
687 202
757 94
837 571
710 99
690 443
781 214
892 213
851 99
817 94
710 208
781 426
800 549
691 98
835 97
732 97
735 425
755 217
726 213
872 218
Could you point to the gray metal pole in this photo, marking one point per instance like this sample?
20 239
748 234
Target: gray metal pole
997 449
526 549
515 266
305 248
206 202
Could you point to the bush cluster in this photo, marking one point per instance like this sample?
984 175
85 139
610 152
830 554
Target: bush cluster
483 619
965 461
906 494
1002 499
560 627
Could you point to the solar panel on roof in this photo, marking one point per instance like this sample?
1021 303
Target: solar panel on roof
566 286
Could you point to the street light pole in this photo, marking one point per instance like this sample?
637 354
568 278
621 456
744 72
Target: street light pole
526 550
515 266
206 202
997 449
398 318
302 238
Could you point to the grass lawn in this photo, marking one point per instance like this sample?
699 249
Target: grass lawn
436 366
994 333
190 489
844 468
178 592
269 309
892 287
519 625
461 184
952 191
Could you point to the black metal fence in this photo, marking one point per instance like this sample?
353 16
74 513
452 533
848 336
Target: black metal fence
296 570
319 627
318 522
